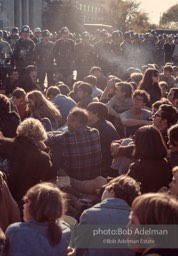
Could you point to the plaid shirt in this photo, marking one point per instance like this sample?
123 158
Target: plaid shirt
81 150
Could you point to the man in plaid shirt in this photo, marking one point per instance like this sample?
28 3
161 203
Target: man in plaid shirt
81 151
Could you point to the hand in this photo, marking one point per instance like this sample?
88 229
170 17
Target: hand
70 251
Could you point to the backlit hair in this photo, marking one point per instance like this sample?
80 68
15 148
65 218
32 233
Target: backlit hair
32 129
156 208
46 205
124 187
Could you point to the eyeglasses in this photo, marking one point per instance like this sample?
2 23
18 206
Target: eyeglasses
138 99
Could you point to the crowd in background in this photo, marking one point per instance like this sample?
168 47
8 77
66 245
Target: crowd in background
100 110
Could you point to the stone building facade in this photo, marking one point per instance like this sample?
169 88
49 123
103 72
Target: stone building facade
20 12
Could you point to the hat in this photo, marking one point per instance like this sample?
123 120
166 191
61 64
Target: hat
85 35
37 30
15 30
45 33
64 30
25 28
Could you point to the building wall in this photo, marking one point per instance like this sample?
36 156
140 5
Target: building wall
20 12
92 11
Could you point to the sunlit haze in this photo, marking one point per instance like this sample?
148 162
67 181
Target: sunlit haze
155 8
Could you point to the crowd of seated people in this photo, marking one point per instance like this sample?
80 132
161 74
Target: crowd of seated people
112 136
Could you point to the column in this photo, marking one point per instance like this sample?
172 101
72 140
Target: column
25 12
17 13
31 14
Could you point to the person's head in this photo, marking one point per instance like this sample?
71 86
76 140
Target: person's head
154 209
77 118
136 77
168 71
123 90
44 203
164 88
14 75
166 116
64 33
76 85
92 80
32 129
52 92
37 32
150 77
31 71
84 90
64 89
149 143
25 31
46 35
4 105
19 96
96 71
158 103
173 96
173 185
122 187
173 138
140 98
97 111
41 107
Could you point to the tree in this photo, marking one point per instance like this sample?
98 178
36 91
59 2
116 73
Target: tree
169 19
125 15
60 13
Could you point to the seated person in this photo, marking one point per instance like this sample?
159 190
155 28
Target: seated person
9 120
137 116
43 232
173 145
173 97
19 104
97 114
84 95
155 209
81 152
114 209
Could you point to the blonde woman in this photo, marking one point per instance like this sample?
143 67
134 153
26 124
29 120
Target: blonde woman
40 107
43 232
28 163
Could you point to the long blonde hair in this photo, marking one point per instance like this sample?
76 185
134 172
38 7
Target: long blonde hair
42 107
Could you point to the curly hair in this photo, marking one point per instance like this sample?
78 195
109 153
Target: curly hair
32 129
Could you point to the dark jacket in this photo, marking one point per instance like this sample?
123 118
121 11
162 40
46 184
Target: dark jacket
9 123
28 165
153 174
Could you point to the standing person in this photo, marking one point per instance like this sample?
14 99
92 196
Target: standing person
150 83
37 36
28 81
168 49
84 56
151 167
64 56
43 232
5 56
23 54
11 82
44 59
